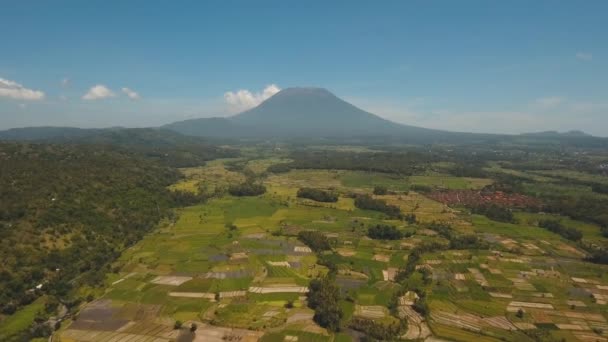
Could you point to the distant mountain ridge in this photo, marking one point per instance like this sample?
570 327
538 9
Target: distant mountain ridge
303 114
572 133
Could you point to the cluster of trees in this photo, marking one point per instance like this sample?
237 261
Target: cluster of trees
72 210
318 195
421 305
457 241
414 257
473 170
442 228
410 218
323 297
367 202
423 189
317 241
580 207
494 212
380 190
384 232
386 329
600 188
558 228
279 168
597 255
468 241
248 188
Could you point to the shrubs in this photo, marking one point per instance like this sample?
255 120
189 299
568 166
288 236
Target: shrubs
495 213
247 189
410 218
384 232
420 306
597 256
423 189
380 190
468 241
414 257
557 228
386 329
317 241
279 168
317 195
600 188
369 203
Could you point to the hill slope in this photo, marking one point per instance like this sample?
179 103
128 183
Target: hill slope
70 210
169 147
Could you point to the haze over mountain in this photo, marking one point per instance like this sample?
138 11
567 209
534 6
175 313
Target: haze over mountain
317 113
300 112
294 113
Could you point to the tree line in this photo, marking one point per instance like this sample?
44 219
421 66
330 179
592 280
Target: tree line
367 202
318 195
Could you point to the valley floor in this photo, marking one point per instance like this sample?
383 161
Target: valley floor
234 267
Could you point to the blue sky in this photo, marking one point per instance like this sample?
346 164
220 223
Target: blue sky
481 66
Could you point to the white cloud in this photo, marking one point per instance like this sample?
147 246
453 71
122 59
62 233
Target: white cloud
98 92
548 102
131 93
244 99
584 56
15 90
65 82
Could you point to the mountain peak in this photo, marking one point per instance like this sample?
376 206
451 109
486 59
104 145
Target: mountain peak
312 111
301 112
303 91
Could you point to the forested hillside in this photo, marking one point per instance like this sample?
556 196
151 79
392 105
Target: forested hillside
165 146
67 210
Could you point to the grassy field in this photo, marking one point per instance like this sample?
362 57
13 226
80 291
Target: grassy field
20 320
450 182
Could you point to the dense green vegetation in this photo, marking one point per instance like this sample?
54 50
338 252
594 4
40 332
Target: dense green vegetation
247 189
317 195
369 203
384 232
317 241
164 146
380 190
495 212
557 228
383 330
323 297
72 210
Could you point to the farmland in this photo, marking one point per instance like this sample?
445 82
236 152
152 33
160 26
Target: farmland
238 268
